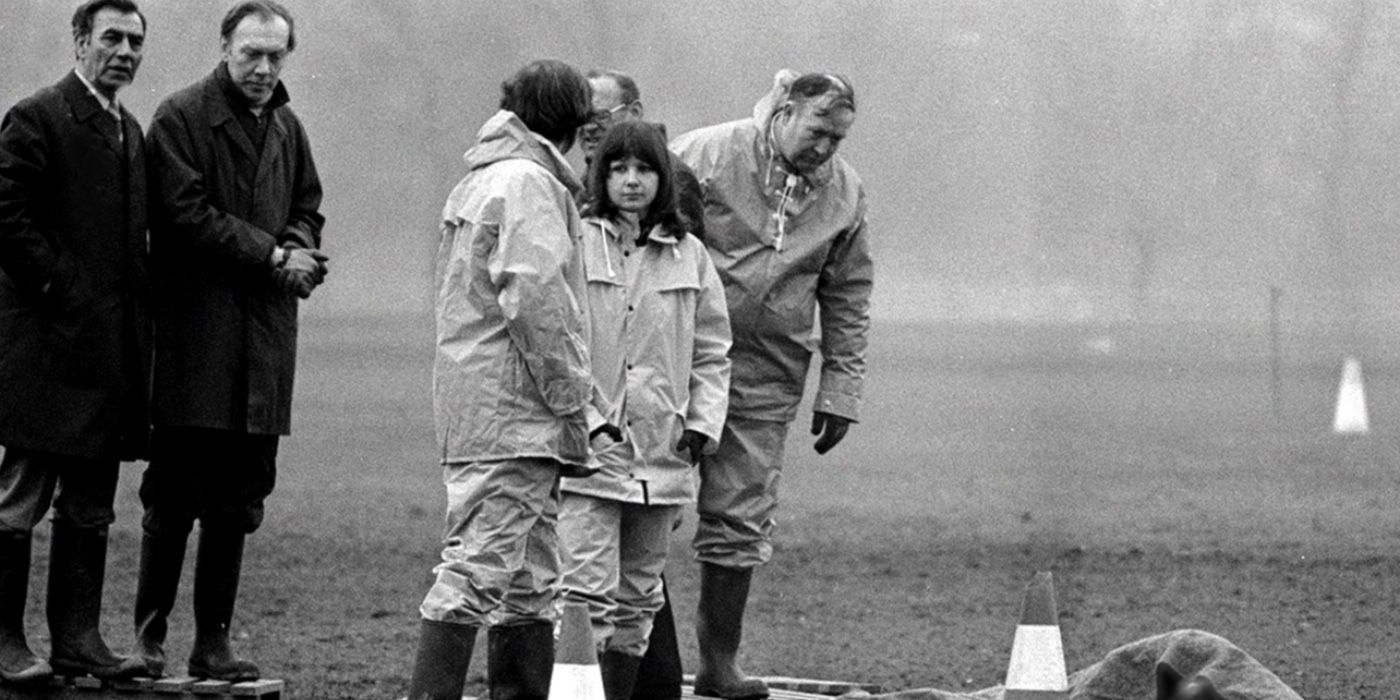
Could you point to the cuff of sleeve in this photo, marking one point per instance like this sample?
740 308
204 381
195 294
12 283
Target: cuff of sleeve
711 432
838 404
295 238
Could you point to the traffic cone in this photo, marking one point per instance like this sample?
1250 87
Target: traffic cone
1037 669
1350 418
576 674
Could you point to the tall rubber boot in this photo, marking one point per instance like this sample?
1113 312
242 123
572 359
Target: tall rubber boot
719 627
218 563
18 664
77 566
520 660
660 675
158 581
619 674
440 668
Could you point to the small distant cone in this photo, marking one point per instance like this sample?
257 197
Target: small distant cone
1350 418
1037 669
576 674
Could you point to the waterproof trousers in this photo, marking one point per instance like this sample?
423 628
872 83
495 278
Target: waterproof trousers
500 554
613 554
739 494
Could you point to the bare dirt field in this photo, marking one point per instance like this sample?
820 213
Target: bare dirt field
1145 468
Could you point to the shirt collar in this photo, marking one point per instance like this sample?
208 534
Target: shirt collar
110 106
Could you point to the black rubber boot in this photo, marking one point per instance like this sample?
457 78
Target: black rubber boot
660 675
520 660
18 665
440 668
162 557
619 674
218 563
719 627
77 566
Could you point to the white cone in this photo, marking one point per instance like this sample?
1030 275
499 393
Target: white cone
1350 418
576 675
1037 668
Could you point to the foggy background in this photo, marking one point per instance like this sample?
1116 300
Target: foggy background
1087 163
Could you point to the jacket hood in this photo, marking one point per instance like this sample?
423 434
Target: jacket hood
658 233
505 137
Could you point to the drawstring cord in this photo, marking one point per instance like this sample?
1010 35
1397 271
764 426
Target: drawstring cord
789 185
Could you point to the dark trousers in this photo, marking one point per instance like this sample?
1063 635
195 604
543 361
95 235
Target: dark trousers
30 479
218 477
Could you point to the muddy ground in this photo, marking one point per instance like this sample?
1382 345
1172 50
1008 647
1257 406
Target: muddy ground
1147 468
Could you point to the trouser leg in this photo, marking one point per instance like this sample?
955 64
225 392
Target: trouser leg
589 530
644 544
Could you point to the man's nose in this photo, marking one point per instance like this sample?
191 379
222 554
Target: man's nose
263 66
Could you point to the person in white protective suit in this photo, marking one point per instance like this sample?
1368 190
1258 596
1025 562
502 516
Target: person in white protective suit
659 342
785 222
511 386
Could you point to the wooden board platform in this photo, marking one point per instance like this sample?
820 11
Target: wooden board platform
688 693
175 688
809 686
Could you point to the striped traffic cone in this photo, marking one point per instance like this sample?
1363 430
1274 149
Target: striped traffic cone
576 674
1037 669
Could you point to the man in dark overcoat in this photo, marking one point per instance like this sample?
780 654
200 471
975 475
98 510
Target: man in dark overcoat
234 239
74 337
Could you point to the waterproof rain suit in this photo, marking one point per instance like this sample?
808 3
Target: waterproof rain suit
785 245
659 344
511 376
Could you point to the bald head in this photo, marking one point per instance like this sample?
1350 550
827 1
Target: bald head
616 99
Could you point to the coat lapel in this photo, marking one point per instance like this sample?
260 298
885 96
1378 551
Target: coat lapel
221 117
272 146
87 111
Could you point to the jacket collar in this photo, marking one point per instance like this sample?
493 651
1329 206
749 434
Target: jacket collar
216 101
505 137
658 234
85 107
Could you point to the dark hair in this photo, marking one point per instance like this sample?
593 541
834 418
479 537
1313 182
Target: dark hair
82 17
645 142
551 98
813 85
266 10
625 83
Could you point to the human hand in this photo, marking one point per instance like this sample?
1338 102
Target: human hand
310 261
294 282
694 443
832 429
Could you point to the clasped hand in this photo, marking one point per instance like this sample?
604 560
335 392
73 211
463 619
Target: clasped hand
304 270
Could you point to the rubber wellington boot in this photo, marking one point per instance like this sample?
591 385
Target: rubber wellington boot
520 660
77 565
162 557
719 627
619 674
659 677
17 663
440 669
218 563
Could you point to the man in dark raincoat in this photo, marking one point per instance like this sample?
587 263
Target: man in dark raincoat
74 337
234 241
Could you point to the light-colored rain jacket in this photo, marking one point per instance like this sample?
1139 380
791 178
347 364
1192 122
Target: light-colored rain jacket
785 245
659 344
511 376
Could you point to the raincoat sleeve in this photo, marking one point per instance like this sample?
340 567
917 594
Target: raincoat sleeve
303 229
843 297
709 365
184 203
28 256
543 316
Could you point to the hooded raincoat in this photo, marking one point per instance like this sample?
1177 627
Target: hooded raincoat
511 376
659 345
785 245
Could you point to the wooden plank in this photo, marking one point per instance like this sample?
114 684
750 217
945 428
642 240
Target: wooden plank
688 693
210 687
808 686
139 684
174 685
261 688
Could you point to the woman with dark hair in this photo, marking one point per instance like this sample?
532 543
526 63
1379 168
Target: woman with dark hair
659 348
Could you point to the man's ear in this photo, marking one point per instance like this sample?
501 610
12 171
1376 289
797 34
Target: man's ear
637 109
1167 680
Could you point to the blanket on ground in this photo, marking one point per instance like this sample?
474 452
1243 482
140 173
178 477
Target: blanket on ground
1129 672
